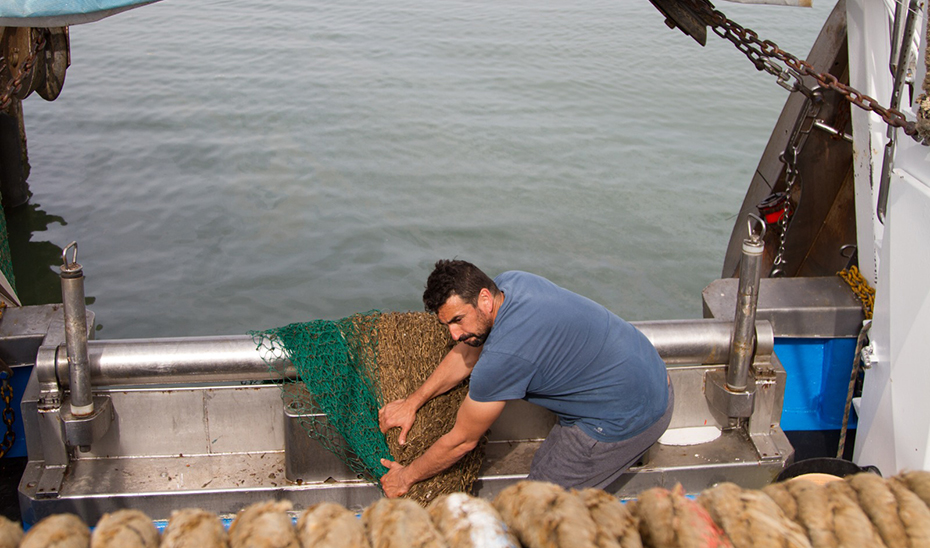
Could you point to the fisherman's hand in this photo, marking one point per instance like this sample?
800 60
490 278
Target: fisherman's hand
399 413
394 483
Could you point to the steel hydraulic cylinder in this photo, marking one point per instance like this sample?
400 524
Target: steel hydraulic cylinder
744 325
72 297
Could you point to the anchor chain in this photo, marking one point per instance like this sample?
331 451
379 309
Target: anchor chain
761 53
15 85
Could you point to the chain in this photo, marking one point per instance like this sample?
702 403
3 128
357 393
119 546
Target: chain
789 157
861 288
793 175
6 97
761 53
6 392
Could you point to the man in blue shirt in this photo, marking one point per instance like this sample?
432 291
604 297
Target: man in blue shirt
522 337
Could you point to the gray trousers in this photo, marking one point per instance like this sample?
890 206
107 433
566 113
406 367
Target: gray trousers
571 458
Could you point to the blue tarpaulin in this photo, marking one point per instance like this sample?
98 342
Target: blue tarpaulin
58 13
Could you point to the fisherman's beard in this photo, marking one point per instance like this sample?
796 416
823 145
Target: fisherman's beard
477 339
473 339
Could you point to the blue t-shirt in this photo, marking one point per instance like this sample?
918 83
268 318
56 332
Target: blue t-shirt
572 356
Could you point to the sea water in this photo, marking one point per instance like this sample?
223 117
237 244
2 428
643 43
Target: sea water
227 165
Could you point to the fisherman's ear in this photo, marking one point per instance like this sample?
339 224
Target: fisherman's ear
485 300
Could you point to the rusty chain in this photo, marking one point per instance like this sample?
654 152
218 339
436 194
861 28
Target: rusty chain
860 286
761 53
6 97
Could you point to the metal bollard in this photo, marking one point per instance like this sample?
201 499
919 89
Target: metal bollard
72 296
744 328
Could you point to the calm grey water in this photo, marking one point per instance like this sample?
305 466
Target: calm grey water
229 165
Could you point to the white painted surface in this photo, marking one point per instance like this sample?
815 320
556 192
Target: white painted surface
894 413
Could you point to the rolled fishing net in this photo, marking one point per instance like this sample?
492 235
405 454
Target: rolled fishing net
347 369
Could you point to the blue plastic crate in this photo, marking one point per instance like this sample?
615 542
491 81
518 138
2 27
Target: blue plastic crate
818 373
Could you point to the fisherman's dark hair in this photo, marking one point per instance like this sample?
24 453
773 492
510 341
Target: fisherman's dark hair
455 277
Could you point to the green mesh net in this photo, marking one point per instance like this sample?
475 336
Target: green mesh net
334 393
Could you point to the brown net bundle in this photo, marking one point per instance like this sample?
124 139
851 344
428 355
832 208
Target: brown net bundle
851 525
899 515
543 515
752 519
59 531
264 524
330 525
194 528
863 510
347 369
11 532
669 519
612 518
399 523
918 483
809 505
469 522
125 528
411 346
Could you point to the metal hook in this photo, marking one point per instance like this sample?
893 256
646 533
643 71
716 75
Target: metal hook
64 255
753 236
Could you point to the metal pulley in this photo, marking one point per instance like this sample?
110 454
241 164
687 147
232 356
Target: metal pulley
36 59
17 47
52 63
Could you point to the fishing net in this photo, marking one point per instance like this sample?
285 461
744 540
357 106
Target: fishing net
347 369
334 393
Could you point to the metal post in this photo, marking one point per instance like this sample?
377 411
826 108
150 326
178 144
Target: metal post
900 75
744 328
72 296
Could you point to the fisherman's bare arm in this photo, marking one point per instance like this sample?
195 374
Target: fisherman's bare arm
473 420
452 370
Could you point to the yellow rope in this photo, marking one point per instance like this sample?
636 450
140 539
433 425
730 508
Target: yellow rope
861 288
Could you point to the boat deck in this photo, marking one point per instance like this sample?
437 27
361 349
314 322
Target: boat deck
807 445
